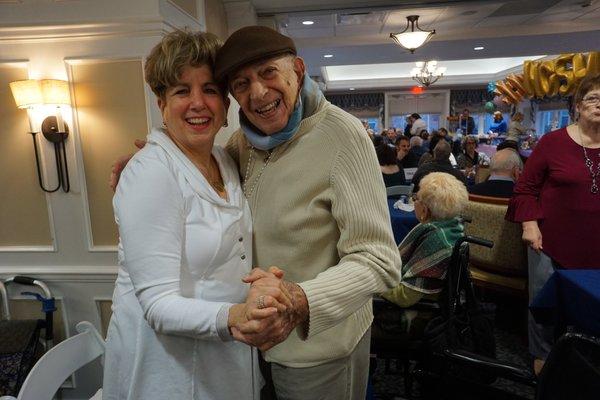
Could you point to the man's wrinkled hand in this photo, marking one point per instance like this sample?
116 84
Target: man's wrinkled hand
264 333
119 165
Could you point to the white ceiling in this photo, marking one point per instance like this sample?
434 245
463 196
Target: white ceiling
357 32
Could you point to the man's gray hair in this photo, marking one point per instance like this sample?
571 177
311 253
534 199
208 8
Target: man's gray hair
415 141
442 150
505 160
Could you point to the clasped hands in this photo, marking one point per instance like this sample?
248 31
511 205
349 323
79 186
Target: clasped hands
273 308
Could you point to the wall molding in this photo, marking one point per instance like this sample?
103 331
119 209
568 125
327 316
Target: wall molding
79 156
102 249
67 273
59 33
91 247
28 249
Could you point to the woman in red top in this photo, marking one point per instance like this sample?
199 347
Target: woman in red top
557 200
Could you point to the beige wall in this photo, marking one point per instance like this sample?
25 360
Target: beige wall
111 112
23 210
216 19
105 311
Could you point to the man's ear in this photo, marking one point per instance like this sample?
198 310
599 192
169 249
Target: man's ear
516 173
299 68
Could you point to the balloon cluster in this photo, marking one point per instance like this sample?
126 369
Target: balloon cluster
511 90
560 76
547 78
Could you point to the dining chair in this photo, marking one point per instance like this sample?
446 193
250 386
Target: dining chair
502 268
400 190
56 365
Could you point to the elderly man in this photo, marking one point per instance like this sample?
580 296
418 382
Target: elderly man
440 163
505 168
319 213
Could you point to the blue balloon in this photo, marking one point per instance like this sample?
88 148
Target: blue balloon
491 87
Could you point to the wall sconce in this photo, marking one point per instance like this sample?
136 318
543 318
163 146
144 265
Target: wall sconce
32 93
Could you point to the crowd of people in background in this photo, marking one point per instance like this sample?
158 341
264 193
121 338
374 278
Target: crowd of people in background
414 150
554 197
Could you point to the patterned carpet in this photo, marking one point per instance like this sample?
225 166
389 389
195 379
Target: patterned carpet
388 383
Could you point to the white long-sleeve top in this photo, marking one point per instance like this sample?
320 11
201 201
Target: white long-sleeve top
183 251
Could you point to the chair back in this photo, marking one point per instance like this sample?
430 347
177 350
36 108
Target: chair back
572 370
509 254
482 174
48 374
400 190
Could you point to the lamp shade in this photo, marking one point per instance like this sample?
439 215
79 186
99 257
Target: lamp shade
27 92
411 40
55 91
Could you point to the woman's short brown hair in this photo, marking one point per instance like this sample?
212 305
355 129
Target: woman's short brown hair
175 51
587 84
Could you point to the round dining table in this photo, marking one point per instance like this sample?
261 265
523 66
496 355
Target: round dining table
402 221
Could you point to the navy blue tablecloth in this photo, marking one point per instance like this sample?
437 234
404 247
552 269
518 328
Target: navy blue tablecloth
402 221
570 297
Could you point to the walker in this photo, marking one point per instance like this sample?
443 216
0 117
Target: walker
20 345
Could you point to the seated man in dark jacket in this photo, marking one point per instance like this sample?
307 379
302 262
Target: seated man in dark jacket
411 160
505 168
440 163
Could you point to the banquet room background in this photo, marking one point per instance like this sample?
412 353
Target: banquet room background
69 239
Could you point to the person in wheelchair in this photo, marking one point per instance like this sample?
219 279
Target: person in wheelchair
427 249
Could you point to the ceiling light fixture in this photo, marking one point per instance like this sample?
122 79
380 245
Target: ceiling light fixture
351 88
308 22
427 73
477 48
328 56
412 37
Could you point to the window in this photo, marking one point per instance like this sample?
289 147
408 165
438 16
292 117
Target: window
550 120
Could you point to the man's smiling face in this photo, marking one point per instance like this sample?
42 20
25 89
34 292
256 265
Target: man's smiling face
267 91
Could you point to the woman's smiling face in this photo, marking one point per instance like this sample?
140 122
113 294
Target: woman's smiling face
193 110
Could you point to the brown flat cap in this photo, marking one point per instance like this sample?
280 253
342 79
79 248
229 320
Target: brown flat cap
249 44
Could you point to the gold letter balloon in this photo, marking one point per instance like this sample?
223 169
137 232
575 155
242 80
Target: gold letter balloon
548 78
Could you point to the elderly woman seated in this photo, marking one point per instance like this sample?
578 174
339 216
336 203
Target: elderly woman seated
427 249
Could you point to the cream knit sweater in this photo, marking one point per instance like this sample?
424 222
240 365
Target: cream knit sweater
319 213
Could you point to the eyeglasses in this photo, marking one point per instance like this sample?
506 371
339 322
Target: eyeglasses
591 101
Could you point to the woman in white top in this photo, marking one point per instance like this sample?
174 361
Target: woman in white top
185 246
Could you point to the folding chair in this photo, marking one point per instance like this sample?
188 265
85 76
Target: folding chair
60 362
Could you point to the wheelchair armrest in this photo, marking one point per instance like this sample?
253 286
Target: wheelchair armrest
502 369
423 304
